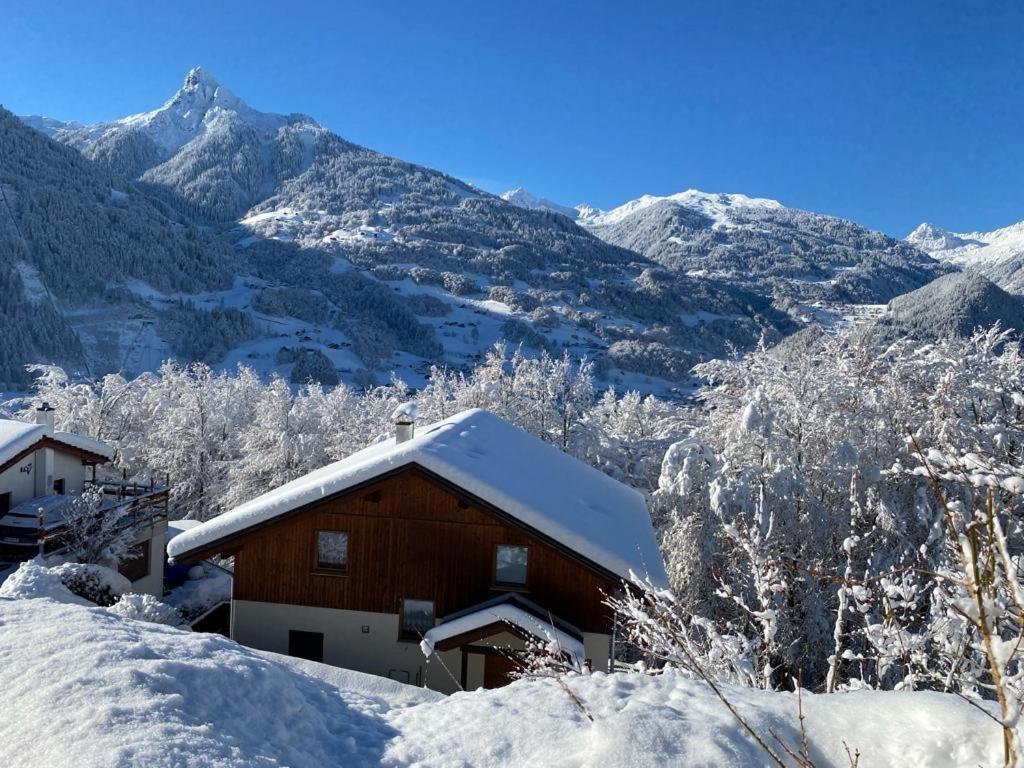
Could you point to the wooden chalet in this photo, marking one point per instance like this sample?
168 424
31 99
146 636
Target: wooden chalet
433 558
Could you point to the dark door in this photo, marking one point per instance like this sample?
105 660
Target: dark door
306 645
5 503
497 667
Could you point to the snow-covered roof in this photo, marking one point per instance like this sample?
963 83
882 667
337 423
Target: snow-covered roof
504 613
18 436
85 443
26 514
178 527
561 497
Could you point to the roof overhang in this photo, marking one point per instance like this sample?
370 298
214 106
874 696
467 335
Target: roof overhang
87 457
228 545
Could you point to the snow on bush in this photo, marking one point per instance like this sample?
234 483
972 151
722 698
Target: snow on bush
79 583
117 692
146 608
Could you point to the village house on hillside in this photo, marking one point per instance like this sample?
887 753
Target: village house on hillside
429 558
42 470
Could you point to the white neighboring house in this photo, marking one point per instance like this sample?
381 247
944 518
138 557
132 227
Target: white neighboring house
41 468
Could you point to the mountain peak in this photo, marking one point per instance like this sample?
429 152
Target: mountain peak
201 89
931 238
526 199
197 78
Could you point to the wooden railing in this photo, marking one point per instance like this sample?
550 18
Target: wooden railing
136 504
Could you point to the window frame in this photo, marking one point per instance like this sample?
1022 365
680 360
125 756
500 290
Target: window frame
405 636
510 585
324 570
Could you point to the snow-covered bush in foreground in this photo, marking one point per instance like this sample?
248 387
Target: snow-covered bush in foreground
79 583
117 692
146 608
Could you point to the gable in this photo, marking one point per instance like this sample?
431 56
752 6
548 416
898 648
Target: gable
410 536
425 493
543 488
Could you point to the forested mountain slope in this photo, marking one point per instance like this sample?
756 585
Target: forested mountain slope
765 246
954 305
68 239
348 263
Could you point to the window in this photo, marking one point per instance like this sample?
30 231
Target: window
306 645
5 503
58 487
510 565
332 551
417 618
135 566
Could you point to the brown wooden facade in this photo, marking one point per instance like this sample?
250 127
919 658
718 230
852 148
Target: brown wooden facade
411 535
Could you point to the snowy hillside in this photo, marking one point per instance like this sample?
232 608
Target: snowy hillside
953 305
999 255
113 691
765 247
349 264
69 241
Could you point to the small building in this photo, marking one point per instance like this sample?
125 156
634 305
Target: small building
433 558
42 469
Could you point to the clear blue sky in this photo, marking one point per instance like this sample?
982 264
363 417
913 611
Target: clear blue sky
889 113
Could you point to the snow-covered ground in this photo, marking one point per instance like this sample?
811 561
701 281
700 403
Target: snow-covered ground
85 687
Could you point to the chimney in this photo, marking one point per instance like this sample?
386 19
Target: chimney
44 416
405 422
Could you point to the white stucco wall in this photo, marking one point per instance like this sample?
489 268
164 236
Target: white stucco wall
24 485
376 650
71 469
153 582
20 484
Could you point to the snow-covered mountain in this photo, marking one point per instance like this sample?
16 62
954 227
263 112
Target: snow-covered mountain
999 255
715 206
49 125
764 246
956 304
348 263
203 147
526 199
71 243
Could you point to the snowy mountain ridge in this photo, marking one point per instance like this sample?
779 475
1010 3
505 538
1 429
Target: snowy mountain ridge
349 264
526 199
715 205
970 248
358 265
759 244
198 106
999 254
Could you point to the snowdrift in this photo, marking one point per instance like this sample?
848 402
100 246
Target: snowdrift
82 686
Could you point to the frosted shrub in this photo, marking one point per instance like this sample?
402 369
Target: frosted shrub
146 608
